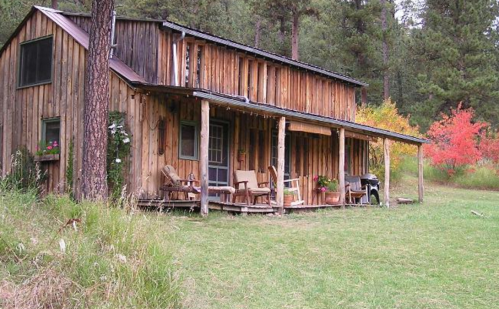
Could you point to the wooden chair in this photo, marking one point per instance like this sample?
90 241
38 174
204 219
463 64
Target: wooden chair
175 184
251 189
355 190
294 186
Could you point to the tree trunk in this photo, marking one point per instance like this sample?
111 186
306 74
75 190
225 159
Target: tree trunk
294 36
96 108
258 32
54 4
384 28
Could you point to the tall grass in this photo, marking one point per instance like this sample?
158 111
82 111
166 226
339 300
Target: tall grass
55 253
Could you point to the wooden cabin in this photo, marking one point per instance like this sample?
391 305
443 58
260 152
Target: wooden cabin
192 100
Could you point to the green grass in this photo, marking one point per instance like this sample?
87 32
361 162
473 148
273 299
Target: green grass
434 255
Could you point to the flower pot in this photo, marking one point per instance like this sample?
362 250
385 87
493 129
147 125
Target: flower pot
288 199
47 157
332 198
241 157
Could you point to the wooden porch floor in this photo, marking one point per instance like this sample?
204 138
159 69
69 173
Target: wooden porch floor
194 206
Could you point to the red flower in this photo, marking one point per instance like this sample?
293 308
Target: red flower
49 147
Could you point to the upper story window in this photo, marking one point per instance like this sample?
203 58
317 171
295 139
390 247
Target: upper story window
35 65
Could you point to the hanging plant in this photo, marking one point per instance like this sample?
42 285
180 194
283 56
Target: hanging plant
118 151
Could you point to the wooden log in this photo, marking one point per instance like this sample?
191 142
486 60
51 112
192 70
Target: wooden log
386 146
420 174
280 164
203 159
341 167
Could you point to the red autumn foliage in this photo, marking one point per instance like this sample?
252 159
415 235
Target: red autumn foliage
489 146
455 141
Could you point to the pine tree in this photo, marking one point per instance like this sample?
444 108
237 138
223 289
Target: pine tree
458 56
96 107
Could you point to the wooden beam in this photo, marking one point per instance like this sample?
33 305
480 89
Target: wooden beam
420 173
280 164
203 156
386 146
341 167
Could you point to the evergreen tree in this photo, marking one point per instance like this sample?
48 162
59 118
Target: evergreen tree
456 50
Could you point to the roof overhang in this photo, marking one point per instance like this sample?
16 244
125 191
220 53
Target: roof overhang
265 109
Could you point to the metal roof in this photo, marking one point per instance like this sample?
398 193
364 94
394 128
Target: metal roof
243 103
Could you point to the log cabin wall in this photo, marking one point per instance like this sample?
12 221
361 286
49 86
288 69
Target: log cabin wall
146 48
22 110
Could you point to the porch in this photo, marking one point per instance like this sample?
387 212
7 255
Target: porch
235 208
202 135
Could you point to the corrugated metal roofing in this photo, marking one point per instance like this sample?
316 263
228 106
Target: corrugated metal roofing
243 103
306 116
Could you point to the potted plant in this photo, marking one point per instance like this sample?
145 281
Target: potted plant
47 151
288 197
332 194
329 187
241 155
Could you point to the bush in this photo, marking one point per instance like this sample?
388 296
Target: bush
386 117
455 141
26 174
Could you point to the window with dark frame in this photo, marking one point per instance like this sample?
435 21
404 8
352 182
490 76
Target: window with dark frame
35 63
188 146
51 129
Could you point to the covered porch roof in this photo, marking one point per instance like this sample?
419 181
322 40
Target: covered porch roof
244 104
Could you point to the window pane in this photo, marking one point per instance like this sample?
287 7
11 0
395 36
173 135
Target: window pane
188 142
44 60
28 64
36 62
52 130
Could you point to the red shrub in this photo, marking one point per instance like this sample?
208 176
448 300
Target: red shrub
489 146
454 141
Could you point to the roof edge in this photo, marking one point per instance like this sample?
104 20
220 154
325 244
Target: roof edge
263 53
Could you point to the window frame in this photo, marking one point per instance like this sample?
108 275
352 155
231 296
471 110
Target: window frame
20 59
196 140
45 121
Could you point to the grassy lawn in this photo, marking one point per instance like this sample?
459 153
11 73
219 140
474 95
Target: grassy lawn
435 255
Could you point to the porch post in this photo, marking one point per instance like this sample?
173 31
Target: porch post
203 158
420 173
386 146
341 172
280 164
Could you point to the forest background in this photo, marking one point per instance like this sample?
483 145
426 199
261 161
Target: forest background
427 56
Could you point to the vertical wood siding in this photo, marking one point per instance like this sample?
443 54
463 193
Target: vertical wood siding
148 50
22 110
311 154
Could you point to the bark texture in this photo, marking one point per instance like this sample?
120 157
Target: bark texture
96 109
